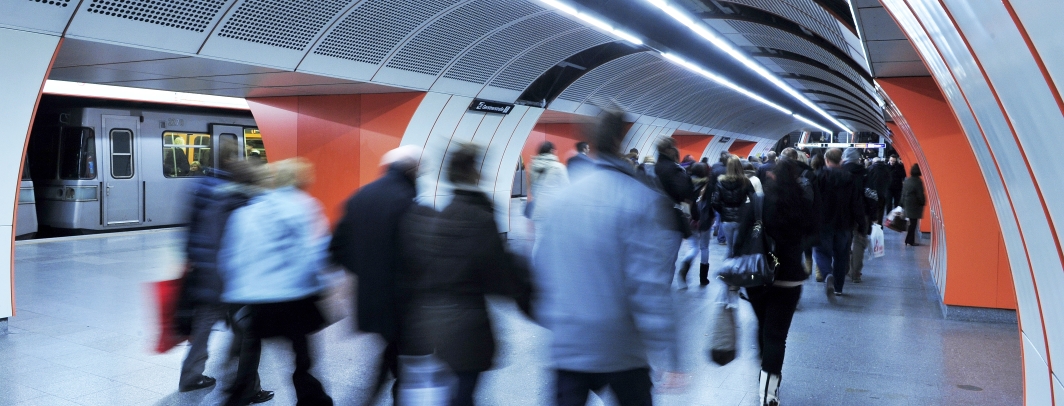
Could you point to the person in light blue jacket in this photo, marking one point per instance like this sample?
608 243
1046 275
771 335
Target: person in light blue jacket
272 258
603 265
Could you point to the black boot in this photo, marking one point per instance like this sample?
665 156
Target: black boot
703 274
684 267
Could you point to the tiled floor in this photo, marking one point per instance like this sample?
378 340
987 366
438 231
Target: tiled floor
85 327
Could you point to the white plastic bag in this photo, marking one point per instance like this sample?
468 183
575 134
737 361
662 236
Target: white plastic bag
876 241
426 381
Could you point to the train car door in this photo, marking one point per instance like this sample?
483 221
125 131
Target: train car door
121 186
229 136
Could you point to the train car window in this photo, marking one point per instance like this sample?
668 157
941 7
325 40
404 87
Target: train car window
43 151
77 153
253 146
121 153
186 154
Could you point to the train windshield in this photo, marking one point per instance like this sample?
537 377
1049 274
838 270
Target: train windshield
77 153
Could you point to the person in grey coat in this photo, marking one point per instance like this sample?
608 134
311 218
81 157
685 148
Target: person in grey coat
603 270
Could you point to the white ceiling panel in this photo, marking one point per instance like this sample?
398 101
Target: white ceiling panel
892 51
176 25
75 52
190 67
276 79
877 25
95 74
177 84
47 16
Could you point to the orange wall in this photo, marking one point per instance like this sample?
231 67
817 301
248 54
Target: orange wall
563 135
908 157
742 148
693 145
343 135
977 272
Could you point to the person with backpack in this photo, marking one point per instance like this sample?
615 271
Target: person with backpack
732 192
788 202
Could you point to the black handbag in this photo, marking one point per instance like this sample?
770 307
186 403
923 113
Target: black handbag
752 263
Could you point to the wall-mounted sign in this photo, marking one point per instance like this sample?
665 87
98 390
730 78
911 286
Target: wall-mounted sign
840 145
488 106
724 139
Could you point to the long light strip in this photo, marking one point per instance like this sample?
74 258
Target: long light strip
810 122
724 45
721 80
602 25
60 87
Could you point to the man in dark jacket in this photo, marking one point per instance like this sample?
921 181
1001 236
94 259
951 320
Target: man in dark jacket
897 178
879 179
842 211
366 242
763 169
580 164
716 171
213 200
674 179
851 162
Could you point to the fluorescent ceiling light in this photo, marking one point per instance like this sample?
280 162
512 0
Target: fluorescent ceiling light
721 80
722 44
595 22
810 122
142 95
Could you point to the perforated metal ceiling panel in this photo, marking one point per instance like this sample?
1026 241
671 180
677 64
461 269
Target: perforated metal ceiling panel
578 92
809 70
47 16
176 25
521 72
433 48
806 13
275 33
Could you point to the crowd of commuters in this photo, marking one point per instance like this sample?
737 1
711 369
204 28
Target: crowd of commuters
260 253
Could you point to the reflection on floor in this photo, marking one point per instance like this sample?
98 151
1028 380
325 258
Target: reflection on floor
85 327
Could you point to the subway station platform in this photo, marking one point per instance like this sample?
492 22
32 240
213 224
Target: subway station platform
85 327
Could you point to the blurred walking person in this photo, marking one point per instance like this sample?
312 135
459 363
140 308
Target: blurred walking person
548 177
580 164
732 192
604 268
213 201
700 236
272 257
851 162
913 201
788 202
453 259
366 243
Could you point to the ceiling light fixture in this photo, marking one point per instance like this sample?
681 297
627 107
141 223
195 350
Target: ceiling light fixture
721 80
142 95
602 25
722 44
810 122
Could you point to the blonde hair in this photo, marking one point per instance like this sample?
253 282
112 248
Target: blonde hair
734 169
297 172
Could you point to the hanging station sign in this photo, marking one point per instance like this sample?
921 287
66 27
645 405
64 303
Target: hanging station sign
840 145
724 139
488 106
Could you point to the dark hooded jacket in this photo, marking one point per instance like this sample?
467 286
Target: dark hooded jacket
452 259
729 197
366 242
840 201
213 201
879 178
674 180
860 176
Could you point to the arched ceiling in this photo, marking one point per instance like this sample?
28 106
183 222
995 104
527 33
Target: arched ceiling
492 49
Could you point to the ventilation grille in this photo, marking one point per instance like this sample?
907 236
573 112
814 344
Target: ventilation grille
589 82
608 93
60 3
524 70
808 70
192 15
436 46
663 102
807 14
644 85
486 58
288 24
374 28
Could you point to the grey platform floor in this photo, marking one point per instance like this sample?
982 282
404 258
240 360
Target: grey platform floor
85 327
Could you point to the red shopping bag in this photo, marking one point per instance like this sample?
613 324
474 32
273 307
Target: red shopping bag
167 295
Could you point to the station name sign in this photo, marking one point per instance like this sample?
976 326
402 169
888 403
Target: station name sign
488 106
841 145
724 139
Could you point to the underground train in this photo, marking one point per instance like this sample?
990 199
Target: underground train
118 167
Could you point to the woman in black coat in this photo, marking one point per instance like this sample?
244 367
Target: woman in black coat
453 259
913 201
788 223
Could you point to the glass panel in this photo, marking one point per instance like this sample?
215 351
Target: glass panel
121 153
228 147
77 153
186 154
253 146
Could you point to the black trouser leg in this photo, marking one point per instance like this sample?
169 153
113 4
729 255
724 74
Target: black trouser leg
910 237
631 387
467 384
246 383
308 389
774 307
